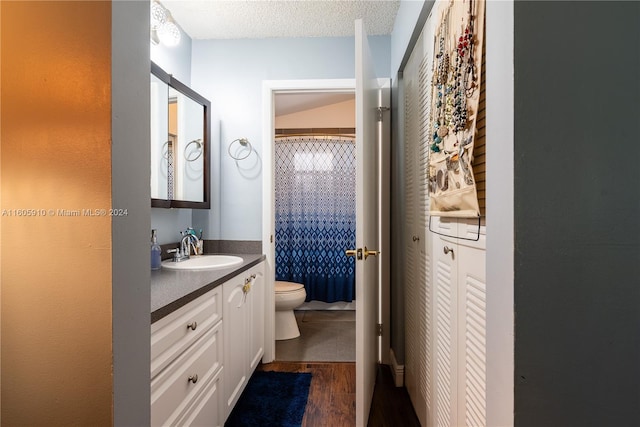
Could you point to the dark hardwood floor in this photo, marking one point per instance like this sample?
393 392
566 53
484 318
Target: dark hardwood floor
391 406
332 396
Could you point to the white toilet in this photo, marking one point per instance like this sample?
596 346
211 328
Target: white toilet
288 296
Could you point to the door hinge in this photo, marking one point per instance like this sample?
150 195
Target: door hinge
379 329
381 111
271 239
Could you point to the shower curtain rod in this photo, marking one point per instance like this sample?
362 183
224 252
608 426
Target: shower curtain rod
314 131
350 136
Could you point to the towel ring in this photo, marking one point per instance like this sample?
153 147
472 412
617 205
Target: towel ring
189 157
244 142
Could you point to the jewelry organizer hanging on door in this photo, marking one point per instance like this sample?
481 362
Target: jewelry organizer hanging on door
456 93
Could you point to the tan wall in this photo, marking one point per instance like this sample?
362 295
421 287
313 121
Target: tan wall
339 115
56 269
173 118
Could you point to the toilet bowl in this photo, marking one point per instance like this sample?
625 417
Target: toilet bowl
288 296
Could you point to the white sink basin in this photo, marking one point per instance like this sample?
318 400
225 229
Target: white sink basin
203 262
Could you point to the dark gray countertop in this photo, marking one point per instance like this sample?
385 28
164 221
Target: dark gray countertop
171 289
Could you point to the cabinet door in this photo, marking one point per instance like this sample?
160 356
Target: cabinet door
256 316
208 410
235 340
445 297
472 336
459 316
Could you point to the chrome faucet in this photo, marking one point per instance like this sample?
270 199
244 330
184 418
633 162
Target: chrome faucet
189 239
193 240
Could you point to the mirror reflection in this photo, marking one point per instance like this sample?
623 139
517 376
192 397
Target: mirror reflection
186 131
159 139
180 121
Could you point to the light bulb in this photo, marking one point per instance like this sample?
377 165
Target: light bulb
169 33
158 15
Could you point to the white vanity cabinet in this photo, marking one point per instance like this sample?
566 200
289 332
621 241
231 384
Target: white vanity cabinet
203 353
243 312
186 364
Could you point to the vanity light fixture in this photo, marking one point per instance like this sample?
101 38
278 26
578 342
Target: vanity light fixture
163 28
158 15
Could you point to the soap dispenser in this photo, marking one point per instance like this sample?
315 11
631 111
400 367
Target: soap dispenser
156 251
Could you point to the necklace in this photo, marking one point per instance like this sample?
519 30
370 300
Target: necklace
464 74
442 69
471 71
441 76
443 63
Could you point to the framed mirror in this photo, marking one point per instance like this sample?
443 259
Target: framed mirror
180 144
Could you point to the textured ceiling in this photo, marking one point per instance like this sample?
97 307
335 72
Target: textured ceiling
214 19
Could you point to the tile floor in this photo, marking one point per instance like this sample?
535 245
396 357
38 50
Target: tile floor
325 336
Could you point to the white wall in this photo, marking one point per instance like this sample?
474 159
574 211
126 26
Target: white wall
230 73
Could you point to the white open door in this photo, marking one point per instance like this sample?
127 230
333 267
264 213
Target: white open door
367 102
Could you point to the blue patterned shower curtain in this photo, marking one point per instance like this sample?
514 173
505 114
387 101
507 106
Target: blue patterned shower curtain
315 215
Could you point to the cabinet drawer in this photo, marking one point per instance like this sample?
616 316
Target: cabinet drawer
206 409
174 395
172 334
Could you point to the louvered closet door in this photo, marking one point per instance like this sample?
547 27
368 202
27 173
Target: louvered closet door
414 341
445 291
425 261
459 324
418 285
472 394
445 339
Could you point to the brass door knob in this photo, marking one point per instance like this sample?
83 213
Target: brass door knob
368 252
354 252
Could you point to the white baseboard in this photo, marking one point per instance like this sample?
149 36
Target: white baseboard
396 370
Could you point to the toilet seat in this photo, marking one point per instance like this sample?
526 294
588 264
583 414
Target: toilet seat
287 287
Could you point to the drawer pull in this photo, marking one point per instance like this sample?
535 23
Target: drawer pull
192 325
193 378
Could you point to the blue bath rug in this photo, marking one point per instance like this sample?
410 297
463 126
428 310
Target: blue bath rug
272 399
